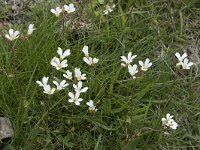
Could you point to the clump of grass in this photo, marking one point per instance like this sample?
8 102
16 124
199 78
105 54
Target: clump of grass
129 111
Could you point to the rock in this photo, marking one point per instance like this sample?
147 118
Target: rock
6 130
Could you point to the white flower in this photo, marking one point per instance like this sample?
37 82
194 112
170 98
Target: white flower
108 9
180 58
61 85
30 29
63 55
68 75
12 35
183 61
169 122
167 119
95 60
78 87
85 51
56 11
55 62
91 106
173 125
44 81
145 65
48 90
74 98
90 61
186 64
78 75
127 60
70 8
132 70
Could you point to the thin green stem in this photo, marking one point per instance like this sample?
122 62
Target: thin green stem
14 70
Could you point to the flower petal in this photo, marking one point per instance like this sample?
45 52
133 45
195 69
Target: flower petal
71 95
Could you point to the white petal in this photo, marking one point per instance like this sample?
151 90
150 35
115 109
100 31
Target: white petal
123 58
75 87
77 103
185 61
129 55
163 119
11 32
134 77
113 6
190 64
66 53
57 60
177 55
71 6
85 51
52 90
184 55
90 103
135 67
71 95
95 60
150 64
8 37
85 59
77 95
56 83
64 63
53 64
70 100
79 99
168 115
53 11
80 84
133 57
58 10
122 64
39 82
105 12
84 89
45 80
16 34
60 51
141 63
147 62
46 87
62 83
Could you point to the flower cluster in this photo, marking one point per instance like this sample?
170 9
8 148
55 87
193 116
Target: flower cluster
78 76
168 122
60 62
57 63
48 89
183 61
77 85
68 8
75 78
13 35
132 69
89 60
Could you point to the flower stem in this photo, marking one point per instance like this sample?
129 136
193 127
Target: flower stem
14 70
62 21
48 102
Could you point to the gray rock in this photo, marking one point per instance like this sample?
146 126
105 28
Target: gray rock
6 130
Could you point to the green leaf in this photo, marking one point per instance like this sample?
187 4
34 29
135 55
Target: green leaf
123 19
142 93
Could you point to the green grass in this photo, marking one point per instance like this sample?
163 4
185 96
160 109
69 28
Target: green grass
129 111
